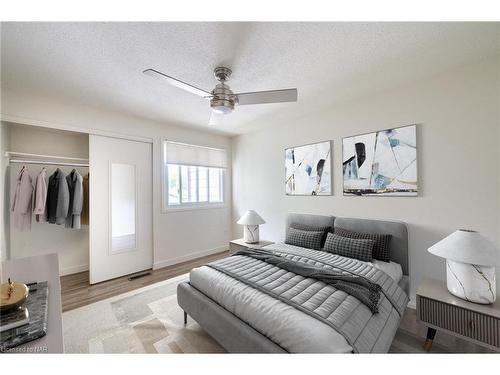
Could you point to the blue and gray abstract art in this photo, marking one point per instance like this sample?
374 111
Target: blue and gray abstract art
308 170
384 162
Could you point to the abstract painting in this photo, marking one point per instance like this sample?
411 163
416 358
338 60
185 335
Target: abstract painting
308 169
381 163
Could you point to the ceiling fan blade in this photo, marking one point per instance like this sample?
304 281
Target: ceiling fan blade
178 83
272 96
216 118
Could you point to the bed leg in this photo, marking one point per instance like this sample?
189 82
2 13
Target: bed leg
431 333
185 318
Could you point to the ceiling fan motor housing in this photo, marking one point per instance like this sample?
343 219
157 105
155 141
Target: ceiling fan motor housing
223 99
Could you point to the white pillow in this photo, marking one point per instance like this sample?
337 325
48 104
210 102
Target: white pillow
393 269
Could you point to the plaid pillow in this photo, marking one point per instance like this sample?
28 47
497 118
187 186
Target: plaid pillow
304 238
349 247
324 229
381 247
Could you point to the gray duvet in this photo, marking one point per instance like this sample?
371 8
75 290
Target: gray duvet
303 314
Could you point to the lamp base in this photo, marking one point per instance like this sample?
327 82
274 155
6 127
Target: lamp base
471 282
251 233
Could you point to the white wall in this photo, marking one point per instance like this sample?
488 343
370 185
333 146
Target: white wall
457 149
37 140
4 191
178 236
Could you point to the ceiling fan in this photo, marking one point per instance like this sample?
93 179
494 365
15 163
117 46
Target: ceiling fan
222 99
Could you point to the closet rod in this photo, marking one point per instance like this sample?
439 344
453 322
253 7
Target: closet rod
25 154
23 161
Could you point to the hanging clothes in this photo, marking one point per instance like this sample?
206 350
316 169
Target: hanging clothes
22 202
57 198
40 197
84 217
75 187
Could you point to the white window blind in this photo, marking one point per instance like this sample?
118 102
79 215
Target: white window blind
194 176
185 154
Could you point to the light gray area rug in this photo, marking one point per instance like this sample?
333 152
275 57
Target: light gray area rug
149 320
145 320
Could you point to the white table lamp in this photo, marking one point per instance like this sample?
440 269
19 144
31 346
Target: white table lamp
470 265
251 221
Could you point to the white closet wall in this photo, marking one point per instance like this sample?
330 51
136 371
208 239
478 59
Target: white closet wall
4 190
37 140
71 245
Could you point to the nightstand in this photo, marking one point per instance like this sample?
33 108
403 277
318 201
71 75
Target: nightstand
239 244
438 309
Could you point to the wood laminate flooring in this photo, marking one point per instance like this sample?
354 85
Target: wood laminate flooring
76 290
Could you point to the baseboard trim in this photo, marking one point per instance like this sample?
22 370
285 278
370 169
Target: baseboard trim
186 258
156 265
73 269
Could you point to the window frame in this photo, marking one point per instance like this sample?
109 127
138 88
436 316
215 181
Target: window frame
188 206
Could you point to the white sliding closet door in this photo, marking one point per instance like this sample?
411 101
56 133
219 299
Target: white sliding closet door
121 207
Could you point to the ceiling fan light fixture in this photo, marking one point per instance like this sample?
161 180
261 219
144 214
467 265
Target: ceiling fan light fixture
222 109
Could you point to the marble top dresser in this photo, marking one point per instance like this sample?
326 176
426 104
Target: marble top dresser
40 268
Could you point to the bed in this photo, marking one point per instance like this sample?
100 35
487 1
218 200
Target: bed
250 306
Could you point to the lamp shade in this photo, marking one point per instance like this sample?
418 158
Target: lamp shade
251 218
467 246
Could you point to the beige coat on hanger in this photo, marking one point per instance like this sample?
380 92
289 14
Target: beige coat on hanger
22 202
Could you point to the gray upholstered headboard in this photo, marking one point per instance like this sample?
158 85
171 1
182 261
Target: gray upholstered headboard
312 220
399 242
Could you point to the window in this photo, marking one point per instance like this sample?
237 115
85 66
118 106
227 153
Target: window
194 176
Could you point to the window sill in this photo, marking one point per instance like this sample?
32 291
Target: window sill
168 210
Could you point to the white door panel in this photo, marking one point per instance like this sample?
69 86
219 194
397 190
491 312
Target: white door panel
121 207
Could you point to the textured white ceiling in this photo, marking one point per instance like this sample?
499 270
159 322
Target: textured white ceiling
100 64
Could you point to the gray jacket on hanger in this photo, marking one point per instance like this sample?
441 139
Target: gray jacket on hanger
75 188
40 196
57 198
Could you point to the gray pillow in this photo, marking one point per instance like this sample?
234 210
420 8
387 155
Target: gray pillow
381 246
304 238
349 247
324 229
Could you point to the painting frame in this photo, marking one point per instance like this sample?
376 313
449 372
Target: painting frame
328 179
409 193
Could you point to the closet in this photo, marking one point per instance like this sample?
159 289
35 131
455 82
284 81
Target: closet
120 240
35 148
